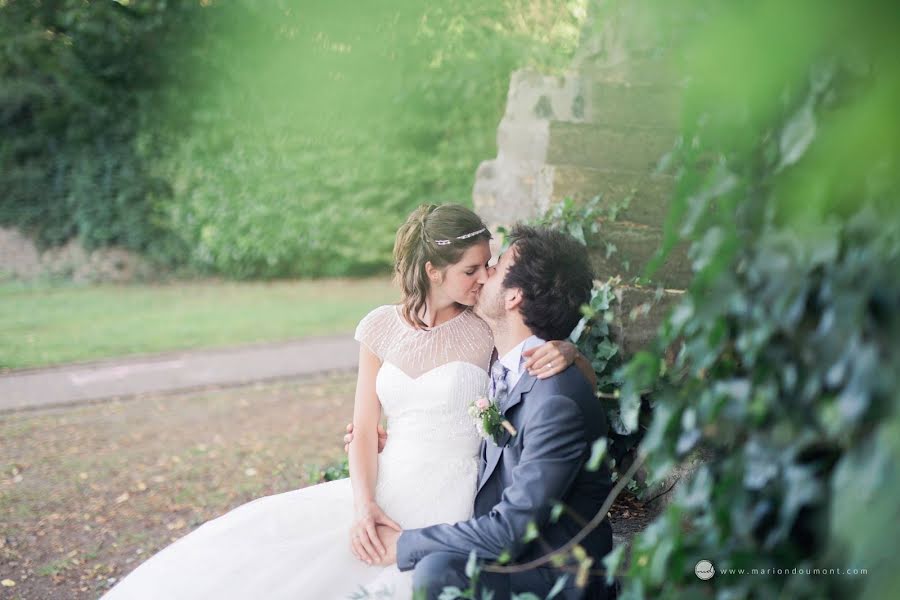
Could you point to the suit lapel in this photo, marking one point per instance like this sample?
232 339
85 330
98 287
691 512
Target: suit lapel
494 452
523 386
482 451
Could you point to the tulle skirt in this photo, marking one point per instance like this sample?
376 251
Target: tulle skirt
296 545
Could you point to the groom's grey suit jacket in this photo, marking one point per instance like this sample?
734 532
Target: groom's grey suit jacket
557 420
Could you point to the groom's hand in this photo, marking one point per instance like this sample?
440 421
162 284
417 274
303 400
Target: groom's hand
382 438
366 543
389 537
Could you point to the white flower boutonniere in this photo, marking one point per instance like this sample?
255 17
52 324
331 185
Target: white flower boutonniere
488 420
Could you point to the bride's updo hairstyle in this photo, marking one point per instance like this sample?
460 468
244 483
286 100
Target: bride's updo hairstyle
439 233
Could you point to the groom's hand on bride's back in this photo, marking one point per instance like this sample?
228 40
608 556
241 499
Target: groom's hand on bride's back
382 438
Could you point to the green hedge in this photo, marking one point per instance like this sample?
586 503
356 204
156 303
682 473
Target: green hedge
255 139
81 84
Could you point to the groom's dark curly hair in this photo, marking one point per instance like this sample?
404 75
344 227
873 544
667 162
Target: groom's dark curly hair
554 273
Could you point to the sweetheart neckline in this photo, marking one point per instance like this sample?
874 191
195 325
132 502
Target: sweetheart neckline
433 369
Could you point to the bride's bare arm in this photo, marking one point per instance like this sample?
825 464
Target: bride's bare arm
363 457
366 415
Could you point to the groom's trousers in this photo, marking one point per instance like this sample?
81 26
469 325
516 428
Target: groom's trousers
438 570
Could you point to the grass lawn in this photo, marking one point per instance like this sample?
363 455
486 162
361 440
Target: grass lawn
49 324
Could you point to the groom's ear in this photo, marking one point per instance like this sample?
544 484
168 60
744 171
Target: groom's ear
513 298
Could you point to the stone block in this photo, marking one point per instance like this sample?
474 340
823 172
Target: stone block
507 191
536 96
645 72
19 255
642 197
641 106
605 147
638 315
523 140
625 249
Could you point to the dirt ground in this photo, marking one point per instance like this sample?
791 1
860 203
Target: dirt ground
88 492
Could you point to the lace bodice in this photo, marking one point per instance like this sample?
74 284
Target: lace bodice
464 338
429 377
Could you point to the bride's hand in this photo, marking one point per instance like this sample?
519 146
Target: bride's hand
550 358
382 438
364 541
555 357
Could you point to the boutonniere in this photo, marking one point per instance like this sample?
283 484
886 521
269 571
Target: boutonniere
488 420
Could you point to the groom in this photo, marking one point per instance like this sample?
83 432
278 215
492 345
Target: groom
532 294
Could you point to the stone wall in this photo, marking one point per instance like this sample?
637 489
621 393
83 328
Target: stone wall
21 259
598 130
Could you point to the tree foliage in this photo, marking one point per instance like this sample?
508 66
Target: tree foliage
82 85
256 139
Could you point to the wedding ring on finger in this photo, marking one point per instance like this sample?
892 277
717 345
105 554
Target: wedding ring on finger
549 365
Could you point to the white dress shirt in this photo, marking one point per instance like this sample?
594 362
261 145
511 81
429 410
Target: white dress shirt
514 361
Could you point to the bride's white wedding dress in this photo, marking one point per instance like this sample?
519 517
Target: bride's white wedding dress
296 545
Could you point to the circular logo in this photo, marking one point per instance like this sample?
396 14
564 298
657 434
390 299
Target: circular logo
704 570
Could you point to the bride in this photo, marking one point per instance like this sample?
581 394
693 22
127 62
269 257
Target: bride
421 363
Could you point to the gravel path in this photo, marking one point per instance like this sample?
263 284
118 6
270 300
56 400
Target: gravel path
175 372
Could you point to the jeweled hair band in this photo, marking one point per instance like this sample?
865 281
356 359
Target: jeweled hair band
462 237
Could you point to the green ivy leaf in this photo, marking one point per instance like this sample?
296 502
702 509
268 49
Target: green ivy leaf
706 251
472 565
577 232
451 593
606 349
695 492
663 420
598 451
576 334
760 466
639 374
803 488
859 486
629 410
660 560
557 587
797 135
612 561
719 182
579 553
531 532
556 512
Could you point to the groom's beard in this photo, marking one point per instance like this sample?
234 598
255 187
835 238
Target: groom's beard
491 310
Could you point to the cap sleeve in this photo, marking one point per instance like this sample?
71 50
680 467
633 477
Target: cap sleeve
375 330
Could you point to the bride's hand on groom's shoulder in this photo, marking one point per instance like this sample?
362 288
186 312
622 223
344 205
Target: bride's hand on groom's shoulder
382 438
549 358
555 357
365 541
